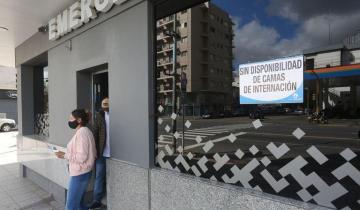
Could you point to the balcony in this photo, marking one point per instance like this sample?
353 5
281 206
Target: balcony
165 21
164 38
165 92
164 63
164 78
165 51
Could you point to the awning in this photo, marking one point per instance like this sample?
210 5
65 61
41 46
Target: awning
333 72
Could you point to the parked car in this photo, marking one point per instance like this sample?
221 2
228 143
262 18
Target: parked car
298 112
256 114
225 113
7 124
207 115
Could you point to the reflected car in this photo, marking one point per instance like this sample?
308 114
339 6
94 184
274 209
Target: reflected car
226 113
256 114
6 124
207 116
298 112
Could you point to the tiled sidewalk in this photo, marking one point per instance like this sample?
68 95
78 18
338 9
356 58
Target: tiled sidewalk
21 194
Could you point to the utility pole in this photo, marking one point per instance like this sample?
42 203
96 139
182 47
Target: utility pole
183 92
174 37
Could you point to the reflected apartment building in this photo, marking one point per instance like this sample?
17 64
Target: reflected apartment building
203 62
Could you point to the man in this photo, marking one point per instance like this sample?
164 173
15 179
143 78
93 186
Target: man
102 140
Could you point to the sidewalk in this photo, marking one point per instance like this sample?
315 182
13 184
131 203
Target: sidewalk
17 193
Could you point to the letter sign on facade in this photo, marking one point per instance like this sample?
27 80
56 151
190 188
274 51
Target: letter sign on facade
78 14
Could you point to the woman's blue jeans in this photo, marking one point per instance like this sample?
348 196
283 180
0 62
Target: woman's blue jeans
76 192
100 178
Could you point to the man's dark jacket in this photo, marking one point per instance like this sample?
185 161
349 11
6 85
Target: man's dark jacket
99 129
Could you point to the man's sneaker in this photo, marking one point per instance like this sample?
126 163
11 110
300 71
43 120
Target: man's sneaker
95 205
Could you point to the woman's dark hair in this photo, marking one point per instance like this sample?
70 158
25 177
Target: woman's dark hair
81 114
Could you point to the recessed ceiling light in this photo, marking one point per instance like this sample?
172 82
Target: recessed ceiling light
3 29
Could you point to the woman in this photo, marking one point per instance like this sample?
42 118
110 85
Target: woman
81 154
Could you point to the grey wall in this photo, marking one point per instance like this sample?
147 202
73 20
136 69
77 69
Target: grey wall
26 100
127 186
124 43
132 187
9 106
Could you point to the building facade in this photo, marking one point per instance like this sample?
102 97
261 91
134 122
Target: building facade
8 93
116 53
333 74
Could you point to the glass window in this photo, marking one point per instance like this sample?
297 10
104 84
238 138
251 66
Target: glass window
272 105
41 101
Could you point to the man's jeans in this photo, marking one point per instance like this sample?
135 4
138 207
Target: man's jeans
99 186
76 192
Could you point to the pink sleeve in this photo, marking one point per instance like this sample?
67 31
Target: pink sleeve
81 148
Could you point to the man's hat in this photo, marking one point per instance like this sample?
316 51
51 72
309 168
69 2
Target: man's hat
105 103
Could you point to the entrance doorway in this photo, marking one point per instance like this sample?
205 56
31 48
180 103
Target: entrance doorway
100 89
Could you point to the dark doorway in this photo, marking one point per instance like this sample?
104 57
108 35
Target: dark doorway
100 89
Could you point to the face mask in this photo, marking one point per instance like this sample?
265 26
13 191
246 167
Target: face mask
73 124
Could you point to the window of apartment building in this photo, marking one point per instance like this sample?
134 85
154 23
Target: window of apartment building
41 99
212 56
184 54
184 25
205 13
301 143
184 39
205 28
205 41
205 69
310 63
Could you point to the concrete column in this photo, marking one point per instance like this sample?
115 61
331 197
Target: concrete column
26 100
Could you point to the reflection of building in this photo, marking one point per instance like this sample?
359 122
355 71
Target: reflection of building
333 74
204 55
235 86
8 95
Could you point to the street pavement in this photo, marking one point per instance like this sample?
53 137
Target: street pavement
330 138
17 193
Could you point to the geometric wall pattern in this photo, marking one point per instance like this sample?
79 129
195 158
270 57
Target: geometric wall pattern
328 180
308 180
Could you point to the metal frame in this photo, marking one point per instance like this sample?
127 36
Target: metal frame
92 89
